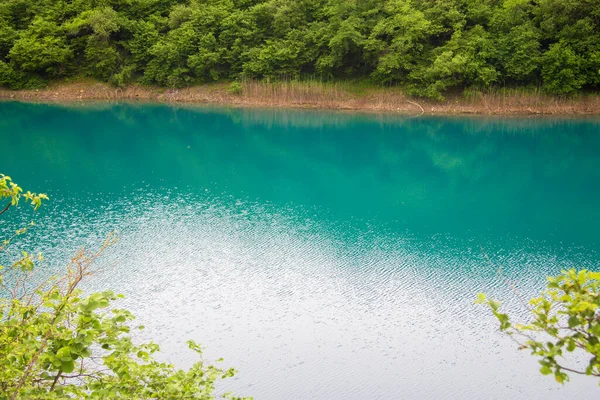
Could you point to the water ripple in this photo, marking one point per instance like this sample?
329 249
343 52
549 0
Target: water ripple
308 309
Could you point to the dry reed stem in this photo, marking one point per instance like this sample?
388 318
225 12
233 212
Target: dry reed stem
315 94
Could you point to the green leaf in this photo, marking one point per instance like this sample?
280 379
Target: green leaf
545 370
573 321
67 366
481 298
64 353
494 305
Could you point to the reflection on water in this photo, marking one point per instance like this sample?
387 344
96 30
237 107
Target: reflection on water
325 255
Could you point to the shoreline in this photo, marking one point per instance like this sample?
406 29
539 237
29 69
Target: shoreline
299 95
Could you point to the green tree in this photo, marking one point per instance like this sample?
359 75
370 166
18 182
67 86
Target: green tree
43 49
430 47
562 69
564 319
400 38
57 342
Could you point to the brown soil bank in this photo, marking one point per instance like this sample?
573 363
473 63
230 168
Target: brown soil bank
340 96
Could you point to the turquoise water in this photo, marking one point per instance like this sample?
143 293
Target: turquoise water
325 255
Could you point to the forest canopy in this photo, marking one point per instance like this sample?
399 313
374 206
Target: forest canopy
426 46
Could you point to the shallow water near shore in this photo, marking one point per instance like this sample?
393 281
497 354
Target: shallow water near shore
324 255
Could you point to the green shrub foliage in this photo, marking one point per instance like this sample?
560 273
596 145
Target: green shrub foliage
563 325
427 46
57 342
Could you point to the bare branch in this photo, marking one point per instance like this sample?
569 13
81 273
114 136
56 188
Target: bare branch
509 283
6 208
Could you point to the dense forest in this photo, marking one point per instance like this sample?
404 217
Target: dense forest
427 46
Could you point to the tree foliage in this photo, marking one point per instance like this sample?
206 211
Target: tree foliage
58 342
565 319
428 46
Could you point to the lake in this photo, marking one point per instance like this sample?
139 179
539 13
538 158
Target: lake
325 255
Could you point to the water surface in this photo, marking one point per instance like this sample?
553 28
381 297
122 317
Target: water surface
325 255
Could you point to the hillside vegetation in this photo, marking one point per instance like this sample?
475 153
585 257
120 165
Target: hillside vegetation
428 47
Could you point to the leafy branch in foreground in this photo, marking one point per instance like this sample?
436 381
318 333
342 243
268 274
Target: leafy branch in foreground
9 189
57 342
565 318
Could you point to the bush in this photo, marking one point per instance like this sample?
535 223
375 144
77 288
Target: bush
565 318
235 88
57 342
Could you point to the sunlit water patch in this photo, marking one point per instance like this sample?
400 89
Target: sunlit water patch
324 255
